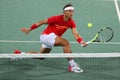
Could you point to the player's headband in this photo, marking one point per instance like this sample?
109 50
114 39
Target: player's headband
69 8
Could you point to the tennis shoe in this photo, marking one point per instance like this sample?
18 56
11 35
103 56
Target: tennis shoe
17 52
75 68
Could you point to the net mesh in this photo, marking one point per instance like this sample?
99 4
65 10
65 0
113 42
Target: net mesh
96 66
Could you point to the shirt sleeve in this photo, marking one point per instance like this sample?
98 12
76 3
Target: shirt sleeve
73 24
52 20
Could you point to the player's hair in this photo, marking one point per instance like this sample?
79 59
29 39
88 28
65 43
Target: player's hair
67 5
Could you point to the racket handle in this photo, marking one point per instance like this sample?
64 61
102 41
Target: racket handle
82 45
88 42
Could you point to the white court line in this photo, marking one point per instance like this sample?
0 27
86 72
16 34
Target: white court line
117 9
72 42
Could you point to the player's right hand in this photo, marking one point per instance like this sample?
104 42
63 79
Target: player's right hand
83 44
25 30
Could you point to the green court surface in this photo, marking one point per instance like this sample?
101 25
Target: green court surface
16 14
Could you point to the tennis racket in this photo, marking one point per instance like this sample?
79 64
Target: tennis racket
103 35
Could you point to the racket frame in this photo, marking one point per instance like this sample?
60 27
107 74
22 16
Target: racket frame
97 35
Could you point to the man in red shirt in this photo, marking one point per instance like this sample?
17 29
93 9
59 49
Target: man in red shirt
51 36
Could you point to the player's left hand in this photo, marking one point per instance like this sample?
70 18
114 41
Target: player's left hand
25 30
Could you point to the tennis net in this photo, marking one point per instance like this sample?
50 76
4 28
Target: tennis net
60 55
96 66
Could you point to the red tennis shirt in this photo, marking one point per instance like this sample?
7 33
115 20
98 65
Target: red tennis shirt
57 25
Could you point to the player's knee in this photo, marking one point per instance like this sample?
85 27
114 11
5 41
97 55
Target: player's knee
66 43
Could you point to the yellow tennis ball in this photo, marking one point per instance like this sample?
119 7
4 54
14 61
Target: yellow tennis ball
90 25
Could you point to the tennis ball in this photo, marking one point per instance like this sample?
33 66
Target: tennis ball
90 25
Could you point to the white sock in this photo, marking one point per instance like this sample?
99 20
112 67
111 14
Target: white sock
72 62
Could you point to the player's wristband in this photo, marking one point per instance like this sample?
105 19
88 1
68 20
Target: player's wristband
34 26
79 40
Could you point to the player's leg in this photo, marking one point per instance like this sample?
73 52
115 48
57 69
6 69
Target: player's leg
42 51
67 49
64 43
45 50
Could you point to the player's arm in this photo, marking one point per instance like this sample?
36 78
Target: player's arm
42 22
78 37
34 26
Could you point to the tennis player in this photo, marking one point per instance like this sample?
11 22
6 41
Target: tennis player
52 35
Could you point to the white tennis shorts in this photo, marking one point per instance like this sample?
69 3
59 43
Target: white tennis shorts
48 40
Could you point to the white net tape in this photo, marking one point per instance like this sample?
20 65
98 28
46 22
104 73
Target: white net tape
72 42
61 55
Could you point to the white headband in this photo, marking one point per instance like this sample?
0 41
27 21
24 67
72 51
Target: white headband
69 8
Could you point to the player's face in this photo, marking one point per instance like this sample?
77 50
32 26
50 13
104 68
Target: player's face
69 13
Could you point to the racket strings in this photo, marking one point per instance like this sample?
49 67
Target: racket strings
105 35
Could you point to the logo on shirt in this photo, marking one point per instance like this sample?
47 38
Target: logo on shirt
61 27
